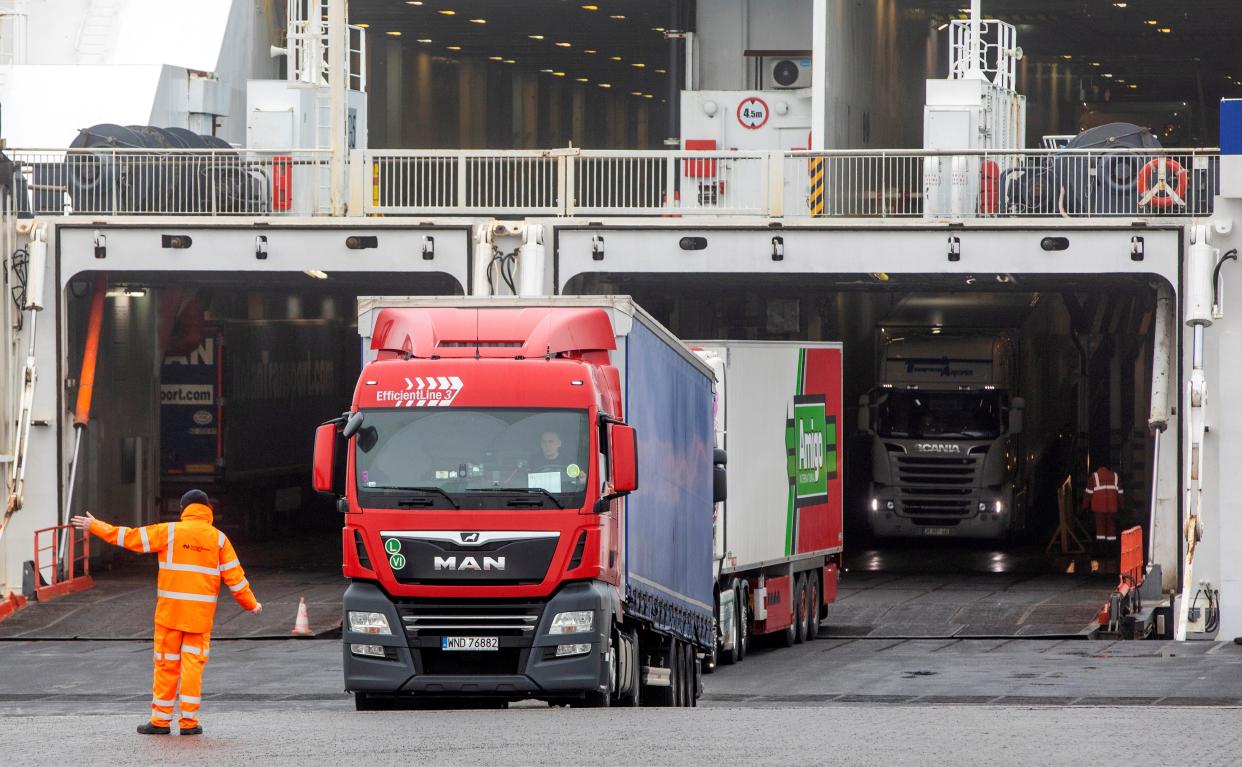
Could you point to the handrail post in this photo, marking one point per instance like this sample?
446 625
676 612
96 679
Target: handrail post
461 182
775 184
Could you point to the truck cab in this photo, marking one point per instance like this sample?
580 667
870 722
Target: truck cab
944 425
486 465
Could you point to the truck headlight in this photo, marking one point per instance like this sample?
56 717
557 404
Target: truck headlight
999 507
563 650
577 622
369 623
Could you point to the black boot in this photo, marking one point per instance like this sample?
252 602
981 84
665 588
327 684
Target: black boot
195 730
146 728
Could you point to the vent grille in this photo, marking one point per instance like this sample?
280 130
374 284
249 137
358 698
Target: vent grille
422 620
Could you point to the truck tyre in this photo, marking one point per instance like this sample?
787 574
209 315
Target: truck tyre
635 676
743 622
695 678
800 608
677 670
813 607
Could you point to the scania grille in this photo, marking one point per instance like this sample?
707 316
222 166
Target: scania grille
933 472
935 507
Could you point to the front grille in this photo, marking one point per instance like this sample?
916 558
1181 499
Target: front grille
936 488
463 619
937 472
514 623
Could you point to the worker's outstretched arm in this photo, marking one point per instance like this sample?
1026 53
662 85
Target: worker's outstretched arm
234 577
141 539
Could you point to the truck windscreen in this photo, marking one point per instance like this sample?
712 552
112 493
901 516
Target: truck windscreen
918 414
468 454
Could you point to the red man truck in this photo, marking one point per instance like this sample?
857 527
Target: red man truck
527 488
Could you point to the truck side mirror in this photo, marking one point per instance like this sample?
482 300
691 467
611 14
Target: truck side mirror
353 423
325 458
720 484
623 458
864 413
1015 415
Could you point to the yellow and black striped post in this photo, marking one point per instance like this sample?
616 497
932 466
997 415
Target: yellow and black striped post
816 199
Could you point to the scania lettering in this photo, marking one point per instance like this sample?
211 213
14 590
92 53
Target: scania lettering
778 535
527 490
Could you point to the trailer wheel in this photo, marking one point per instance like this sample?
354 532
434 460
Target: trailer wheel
664 696
800 609
813 607
677 670
695 678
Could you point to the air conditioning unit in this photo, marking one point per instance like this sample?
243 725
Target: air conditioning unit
787 73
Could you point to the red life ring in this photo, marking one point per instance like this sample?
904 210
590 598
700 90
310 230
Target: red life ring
1154 190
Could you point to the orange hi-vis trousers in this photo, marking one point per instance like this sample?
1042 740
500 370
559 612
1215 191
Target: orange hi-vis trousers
179 660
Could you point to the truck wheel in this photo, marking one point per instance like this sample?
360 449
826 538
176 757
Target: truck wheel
634 677
677 669
800 609
664 696
743 622
729 656
813 607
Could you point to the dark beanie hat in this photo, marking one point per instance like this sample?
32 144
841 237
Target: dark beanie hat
194 496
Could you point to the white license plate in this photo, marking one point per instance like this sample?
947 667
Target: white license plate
937 531
469 643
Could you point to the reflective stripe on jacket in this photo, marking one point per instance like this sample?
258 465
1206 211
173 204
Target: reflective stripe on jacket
1103 491
194 557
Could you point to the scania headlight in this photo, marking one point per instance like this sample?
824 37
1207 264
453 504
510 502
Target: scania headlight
368 623
577 622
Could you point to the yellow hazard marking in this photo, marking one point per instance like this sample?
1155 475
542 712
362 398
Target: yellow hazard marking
816 198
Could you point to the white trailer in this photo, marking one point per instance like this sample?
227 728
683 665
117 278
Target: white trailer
778 535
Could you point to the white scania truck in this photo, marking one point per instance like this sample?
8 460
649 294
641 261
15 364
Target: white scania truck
944 419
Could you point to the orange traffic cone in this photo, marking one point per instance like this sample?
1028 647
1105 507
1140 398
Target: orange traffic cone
302 625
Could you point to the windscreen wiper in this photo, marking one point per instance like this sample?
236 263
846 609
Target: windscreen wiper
428 489
522 490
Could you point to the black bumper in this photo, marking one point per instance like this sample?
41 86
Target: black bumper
525 666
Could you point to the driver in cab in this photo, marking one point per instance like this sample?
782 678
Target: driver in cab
551 459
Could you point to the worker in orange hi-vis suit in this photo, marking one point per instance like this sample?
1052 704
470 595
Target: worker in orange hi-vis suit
194 557
1103 498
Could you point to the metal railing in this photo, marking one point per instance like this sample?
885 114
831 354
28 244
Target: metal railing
831 184
1068 183
70 571
186 182
465 182
989 184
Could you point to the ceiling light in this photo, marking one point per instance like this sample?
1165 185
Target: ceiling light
448 12
1151 22
495 58
648 96
1107 74
658 29
616 58
535 37
413 2
558 74
1121 5
1133 86
1067 56
393 33
478 21
618 16
424 39
317 274
605 85
662 71
363 25
638 65
636 93
546 71
591 51
454 47
590 7
1095 63
510 61
942 27
583 79
563 44
1165 30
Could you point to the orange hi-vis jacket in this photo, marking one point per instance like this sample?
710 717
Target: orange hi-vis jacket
194 557
1103 489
